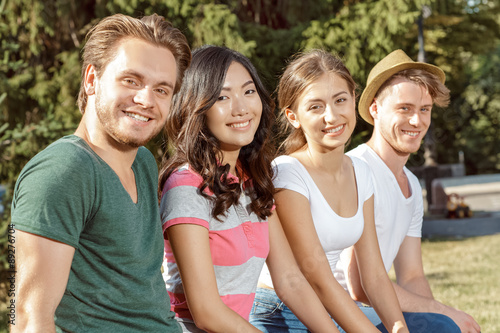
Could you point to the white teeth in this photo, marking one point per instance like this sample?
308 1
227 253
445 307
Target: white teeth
334 130
136 116
238 125
414 134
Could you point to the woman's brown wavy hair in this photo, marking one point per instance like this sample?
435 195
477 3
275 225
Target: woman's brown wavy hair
194 144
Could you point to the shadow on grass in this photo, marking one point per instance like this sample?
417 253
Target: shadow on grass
438 239
438 276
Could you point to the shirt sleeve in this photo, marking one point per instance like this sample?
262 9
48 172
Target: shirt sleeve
415 229
288 175
181 202
54 195
364 178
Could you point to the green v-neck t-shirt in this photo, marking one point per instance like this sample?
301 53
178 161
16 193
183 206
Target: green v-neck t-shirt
69 194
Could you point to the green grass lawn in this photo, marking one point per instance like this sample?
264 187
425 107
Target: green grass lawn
463 273
466 275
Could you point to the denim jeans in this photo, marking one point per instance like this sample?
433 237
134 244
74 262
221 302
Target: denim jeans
417 322
270 314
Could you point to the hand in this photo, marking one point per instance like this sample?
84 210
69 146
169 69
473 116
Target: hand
466 323
399 327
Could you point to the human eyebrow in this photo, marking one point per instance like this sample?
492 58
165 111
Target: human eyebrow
314 100
132 73
319 100
340 93
249 82
405 105
166 84
141 77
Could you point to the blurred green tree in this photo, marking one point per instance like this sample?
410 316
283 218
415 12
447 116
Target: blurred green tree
462 37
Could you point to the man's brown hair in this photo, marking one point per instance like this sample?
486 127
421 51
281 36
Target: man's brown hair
439 93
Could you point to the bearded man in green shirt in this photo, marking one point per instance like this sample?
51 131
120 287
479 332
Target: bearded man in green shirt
89 242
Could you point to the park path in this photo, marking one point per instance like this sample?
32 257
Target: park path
483 199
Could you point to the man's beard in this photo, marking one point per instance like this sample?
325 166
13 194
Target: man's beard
109 124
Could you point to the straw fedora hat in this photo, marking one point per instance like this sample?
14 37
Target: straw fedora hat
394 62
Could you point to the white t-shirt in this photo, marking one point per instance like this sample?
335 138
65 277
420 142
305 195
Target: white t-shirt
395 216
335 232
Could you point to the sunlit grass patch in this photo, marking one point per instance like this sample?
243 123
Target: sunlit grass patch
465 274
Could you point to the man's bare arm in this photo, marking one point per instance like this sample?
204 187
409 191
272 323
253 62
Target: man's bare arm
43 267
413 290
409 268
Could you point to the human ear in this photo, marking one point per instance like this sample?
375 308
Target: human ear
373 109
89 79
292 118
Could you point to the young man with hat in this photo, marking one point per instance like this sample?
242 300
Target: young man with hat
398 100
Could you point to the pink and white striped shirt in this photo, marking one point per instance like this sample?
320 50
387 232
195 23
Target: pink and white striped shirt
239 245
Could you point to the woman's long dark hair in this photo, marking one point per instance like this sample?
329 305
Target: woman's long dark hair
194 144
